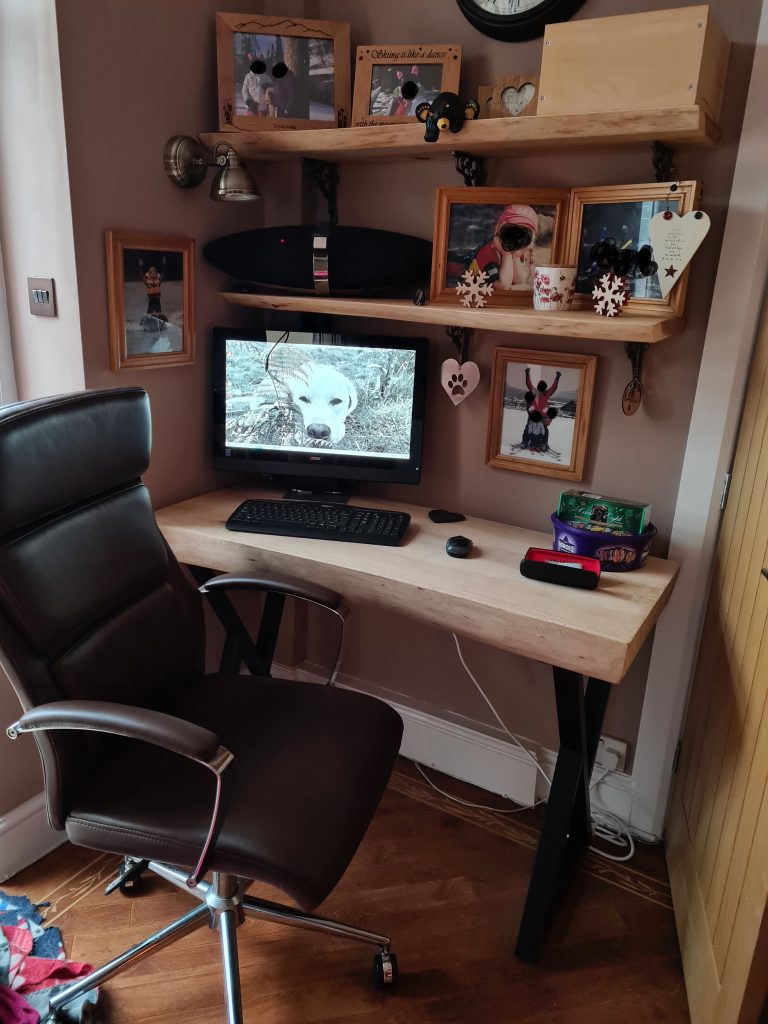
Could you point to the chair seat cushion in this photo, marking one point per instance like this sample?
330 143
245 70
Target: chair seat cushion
310 766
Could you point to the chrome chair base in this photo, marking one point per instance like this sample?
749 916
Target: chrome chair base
223 906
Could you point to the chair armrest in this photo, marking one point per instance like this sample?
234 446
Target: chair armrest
174 734
274 584
134 723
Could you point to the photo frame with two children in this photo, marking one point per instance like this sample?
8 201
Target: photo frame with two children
277 72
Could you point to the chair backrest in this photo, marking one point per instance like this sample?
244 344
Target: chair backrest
92 603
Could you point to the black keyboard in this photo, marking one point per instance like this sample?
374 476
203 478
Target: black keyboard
288 518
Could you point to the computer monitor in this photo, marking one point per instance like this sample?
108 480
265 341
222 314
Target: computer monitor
323 411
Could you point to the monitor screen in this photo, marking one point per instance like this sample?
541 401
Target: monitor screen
320 406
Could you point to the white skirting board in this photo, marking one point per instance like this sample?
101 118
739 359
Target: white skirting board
26 836
471 752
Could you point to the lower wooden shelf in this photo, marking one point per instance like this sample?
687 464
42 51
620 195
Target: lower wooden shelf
577 324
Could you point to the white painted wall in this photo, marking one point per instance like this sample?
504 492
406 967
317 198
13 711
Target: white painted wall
35 213
739 288
36 241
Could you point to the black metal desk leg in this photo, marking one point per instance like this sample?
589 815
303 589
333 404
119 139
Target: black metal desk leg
566 829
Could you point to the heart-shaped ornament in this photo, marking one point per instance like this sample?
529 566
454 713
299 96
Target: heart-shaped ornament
674 240
459 381
515 100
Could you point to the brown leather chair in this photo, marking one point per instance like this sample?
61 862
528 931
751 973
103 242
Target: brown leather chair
185 774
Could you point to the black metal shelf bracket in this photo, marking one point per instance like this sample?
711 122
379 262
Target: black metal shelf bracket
326 177
472 168
460 337
663 160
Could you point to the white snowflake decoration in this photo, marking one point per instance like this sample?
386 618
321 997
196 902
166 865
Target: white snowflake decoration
611 294
473 288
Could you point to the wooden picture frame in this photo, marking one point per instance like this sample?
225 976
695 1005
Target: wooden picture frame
473 239
281 73
606 211
555 443
150 295
391 80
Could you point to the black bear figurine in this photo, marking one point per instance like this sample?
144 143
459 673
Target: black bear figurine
446 112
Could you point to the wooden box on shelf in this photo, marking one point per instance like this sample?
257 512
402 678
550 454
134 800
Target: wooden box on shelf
654 60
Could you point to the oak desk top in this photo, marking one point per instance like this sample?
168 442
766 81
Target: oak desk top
483 597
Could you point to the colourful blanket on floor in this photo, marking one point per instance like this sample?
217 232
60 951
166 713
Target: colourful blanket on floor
33 966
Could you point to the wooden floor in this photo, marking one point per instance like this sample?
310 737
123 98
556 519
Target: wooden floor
446 882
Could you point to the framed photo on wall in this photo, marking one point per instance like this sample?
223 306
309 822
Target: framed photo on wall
623 212
280 72
390 81
541 404
503 232
150 294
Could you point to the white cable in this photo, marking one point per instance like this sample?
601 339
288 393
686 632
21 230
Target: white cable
621 837
529 754
466 803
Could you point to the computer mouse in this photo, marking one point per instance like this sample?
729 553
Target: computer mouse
458 547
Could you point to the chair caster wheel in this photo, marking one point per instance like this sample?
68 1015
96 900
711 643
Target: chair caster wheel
128 881
385 970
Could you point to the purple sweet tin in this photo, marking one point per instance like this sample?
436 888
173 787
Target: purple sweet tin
616 552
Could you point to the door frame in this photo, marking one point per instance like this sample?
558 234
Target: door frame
733 321
7 376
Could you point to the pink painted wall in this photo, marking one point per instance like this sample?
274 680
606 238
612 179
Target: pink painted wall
134 74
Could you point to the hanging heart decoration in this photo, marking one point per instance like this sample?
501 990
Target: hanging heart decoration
674 240
459 380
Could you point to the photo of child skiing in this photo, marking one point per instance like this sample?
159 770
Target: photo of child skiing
154 301
150 299
397 88
540 411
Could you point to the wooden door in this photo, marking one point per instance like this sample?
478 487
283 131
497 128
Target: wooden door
717 837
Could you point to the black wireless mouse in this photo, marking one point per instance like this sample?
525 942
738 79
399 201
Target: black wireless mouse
458 547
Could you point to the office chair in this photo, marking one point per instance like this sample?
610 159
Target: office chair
184 774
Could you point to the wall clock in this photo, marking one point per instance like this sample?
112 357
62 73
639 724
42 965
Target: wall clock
515 20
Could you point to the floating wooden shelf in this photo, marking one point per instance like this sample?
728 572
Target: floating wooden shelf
584 324
678 126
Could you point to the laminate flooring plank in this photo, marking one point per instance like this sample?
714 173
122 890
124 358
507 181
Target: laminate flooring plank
447 883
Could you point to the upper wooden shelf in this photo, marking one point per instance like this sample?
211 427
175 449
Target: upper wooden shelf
577 324
677 126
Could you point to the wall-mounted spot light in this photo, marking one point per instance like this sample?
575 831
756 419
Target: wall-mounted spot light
186 163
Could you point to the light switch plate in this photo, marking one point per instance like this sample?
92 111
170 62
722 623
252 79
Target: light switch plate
42 296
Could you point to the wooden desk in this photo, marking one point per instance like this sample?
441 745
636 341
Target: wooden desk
580 633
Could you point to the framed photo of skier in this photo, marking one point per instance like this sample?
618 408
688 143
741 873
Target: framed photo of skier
150 295
620 215
497 235
281 72
391 81
541 404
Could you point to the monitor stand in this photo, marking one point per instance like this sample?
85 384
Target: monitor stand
329 491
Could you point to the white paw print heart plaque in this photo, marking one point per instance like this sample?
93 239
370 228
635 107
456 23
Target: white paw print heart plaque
459 380
674 240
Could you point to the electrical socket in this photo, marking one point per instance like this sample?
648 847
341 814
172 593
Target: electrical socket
608 749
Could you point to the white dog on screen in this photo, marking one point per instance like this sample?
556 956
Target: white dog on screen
325 397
